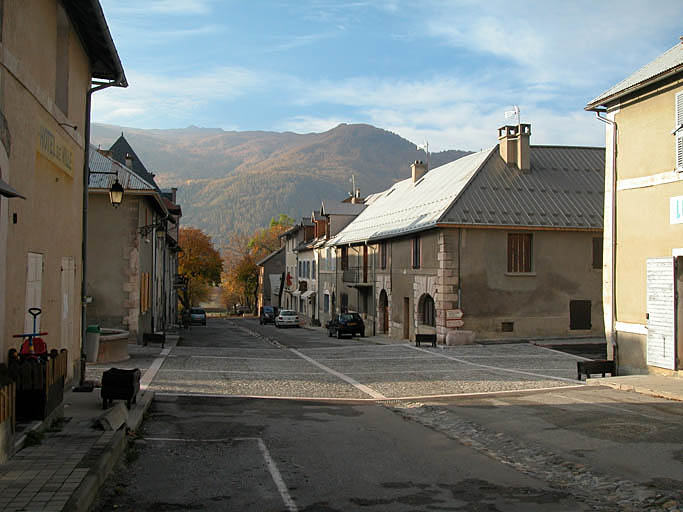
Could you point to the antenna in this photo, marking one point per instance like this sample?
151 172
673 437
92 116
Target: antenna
425 146
515 112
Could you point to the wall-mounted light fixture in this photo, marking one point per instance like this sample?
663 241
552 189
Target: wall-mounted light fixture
116 189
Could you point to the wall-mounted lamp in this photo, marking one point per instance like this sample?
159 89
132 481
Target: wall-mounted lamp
75 127
146 230
116 189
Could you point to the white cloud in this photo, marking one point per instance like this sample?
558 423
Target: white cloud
171 7
310 124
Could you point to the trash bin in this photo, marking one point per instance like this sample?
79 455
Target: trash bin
92 343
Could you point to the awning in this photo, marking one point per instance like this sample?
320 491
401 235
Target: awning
307 294
7 191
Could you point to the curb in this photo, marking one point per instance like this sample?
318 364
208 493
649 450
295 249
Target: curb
85 494
636 389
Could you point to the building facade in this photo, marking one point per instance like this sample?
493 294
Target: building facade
52 54
505 243
643 269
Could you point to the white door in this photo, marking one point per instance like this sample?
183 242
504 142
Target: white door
34 288
68 314
661 313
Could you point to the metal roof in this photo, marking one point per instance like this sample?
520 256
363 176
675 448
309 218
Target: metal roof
128 179
340 208
563 189
263 261
120 149
408 207
8 191
668 63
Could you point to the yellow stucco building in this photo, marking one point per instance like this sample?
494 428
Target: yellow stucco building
53 55
643 244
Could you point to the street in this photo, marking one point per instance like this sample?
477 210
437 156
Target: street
359 425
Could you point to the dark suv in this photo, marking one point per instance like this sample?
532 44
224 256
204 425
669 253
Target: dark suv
346 323
268 314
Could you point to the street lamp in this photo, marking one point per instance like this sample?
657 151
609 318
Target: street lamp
116 193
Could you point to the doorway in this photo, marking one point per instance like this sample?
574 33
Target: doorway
384 312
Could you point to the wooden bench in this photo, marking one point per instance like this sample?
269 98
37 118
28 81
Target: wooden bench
601 366
425 338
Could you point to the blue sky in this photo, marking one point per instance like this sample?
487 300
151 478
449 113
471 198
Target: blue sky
441 71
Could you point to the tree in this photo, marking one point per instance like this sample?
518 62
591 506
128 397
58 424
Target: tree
199 262
241 282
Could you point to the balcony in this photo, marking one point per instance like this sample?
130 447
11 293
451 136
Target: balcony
357 276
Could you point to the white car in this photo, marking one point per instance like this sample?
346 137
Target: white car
287 317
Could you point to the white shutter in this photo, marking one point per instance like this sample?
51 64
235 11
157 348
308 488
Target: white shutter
679 134
34 288
661 313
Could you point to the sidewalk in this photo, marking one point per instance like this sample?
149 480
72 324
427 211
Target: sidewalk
63 468
653 385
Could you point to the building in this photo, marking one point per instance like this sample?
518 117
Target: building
135 247
643 115
55 55
291 240
505 243
270 278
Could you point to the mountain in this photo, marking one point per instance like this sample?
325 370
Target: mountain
232 181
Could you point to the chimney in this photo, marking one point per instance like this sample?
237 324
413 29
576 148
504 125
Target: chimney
129 160
356 198
514 145
419 169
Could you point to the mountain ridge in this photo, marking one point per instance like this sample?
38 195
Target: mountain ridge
231 181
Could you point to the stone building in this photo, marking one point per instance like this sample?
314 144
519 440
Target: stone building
506 243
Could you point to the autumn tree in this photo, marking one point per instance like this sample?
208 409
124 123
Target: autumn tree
200 263
241 283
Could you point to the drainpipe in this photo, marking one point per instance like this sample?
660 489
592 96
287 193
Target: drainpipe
84 227
459 273
374 294
610 330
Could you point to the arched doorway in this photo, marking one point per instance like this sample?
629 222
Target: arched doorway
426 311
384 311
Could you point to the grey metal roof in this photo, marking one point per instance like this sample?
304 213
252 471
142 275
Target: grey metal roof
120 149
340 208
564 189
128 179
669 62
263 261
408 207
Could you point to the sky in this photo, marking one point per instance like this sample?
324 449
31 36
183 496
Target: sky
444 72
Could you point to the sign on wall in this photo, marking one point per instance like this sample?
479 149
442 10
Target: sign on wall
676 210
454 318
55 149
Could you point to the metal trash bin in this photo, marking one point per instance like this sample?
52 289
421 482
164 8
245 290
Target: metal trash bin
92 343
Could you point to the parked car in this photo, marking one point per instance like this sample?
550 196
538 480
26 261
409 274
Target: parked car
268 314
287 317
197 316
346 323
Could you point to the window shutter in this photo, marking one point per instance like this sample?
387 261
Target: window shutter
679 134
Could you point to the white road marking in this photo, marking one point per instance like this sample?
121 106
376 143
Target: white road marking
270 463
365 389
249 372
496 368
151 372
579 358
242 358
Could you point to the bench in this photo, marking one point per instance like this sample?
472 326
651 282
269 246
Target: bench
601 366
425 338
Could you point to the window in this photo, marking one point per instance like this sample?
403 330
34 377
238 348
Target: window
519 252
416 252
597 253
679 132
344 258
62 61
326 303
383 255
313 269
308 269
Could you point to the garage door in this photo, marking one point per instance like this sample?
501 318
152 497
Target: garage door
661 313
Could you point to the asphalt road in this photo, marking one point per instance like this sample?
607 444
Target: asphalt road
361 426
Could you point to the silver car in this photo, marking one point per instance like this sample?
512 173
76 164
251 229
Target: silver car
287 317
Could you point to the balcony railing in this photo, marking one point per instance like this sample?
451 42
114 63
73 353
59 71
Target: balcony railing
357 275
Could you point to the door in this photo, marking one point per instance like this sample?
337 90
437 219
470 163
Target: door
661 313
365 263
34 289
68 279
384 311
406 318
